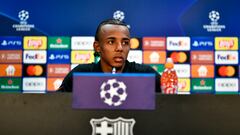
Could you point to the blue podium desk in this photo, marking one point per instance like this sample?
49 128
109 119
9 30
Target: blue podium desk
51 114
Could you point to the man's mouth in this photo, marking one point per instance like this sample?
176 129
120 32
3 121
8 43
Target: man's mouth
118 59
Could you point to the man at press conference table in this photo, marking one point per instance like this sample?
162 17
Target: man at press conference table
112 44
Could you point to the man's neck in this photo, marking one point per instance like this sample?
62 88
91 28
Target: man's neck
107 69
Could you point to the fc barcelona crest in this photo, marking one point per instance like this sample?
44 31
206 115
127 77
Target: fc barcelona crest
106 126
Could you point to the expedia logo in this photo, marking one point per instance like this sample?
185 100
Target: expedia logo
178 43
226 57
34 57
225 43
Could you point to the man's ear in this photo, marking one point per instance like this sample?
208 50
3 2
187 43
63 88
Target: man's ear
96 46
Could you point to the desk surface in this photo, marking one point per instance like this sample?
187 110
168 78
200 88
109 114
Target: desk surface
43 114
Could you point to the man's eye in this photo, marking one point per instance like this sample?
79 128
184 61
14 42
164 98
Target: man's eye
125 43
110 42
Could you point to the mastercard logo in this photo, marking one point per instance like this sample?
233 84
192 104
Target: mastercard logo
34 70
134 43
226 71
179 57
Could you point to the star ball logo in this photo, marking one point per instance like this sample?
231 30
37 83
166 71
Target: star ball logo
113 92
23 16
214 16
119 15
106 126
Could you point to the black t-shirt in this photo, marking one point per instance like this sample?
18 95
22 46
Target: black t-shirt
130 67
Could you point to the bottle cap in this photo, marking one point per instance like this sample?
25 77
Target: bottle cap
169 60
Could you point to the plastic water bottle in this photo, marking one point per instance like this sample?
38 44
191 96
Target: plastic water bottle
169 79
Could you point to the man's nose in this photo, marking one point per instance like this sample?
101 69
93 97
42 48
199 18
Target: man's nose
119 46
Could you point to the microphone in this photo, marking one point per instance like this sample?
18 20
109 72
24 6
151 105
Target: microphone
113 70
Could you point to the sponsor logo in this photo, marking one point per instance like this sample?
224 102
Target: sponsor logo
113 92
202 85
202 43
58 70
82 43
214 16
13 70
10 84
58 42
35 42
34 70
183 86
82 57
54 83
178 43
135 56
226 85
202 57
226 43
154 43
182 70
119 15
106 126
227 71
158 67
35 57
226 57
7 56
154 57
34 85
179 57
11 43
23 15
202 71
134 43
58 56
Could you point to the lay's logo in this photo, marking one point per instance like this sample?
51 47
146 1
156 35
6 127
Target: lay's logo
35 42
226 43
82 57
226 57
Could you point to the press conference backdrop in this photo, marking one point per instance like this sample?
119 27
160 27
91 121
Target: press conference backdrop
39 47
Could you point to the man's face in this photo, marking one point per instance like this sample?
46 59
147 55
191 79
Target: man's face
113 45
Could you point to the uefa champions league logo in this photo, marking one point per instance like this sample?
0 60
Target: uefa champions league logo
214 16
113 92
119 15
23 16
